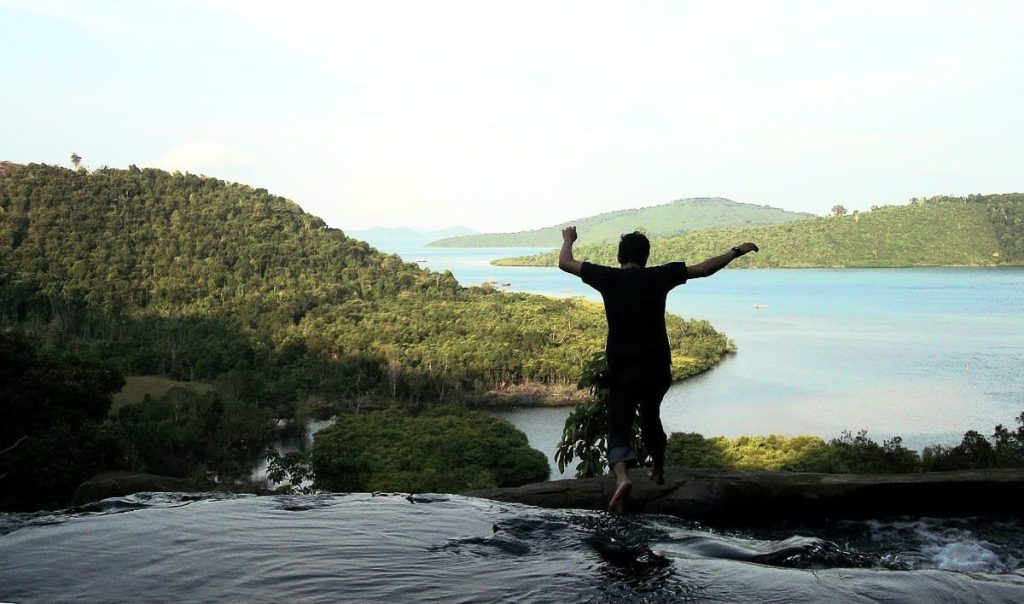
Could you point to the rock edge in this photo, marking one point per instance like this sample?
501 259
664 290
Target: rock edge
735 498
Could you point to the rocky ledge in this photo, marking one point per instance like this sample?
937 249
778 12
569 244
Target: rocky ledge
734 498
119 484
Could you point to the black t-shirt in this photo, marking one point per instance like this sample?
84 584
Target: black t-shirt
634 304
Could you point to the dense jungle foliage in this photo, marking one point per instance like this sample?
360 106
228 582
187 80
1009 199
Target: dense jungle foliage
58 430
191 277
54 434
142 272
442 450
60 433
667 220
978 230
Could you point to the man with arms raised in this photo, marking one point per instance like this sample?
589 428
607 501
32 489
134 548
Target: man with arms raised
639 358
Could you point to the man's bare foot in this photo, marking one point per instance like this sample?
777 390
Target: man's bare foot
618 503
657 476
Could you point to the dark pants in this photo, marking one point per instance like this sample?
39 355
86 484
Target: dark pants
628 390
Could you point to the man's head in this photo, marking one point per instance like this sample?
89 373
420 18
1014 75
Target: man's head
634 248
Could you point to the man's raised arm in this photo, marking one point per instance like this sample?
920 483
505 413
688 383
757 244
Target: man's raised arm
716 263
565 260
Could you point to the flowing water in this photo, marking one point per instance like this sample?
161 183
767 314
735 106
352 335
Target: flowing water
444 548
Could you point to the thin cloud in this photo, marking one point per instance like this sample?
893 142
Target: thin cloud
200 156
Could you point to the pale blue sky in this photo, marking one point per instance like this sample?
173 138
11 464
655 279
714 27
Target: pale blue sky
502 116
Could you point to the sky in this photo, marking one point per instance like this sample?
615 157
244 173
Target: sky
503 116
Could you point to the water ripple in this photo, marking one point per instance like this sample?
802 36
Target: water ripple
383 547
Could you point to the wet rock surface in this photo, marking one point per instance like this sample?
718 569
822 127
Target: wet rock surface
735 498
119 484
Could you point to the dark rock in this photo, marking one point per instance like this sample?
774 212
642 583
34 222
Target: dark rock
119 484
734 498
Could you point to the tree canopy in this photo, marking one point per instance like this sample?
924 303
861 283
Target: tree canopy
136 272
443 450
52 437
194 278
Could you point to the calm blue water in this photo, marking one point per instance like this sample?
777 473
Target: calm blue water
926 354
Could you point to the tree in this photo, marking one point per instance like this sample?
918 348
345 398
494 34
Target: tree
52 437
76 159
441 450
584 435
838 210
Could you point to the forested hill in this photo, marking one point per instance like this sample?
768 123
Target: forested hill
196 278
681 216
979 230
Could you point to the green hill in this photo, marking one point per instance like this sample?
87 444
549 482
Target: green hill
682 216
194 278
979 230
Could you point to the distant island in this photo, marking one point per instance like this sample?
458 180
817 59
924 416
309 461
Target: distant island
977 230
666 220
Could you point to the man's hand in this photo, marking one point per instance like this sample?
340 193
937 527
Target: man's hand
746 248
565 260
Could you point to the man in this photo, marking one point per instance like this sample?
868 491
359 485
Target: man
639 358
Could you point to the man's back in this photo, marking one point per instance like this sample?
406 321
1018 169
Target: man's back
634 303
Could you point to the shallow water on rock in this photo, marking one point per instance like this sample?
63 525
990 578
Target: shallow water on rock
362 547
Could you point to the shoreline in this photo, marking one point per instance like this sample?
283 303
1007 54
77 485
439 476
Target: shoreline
1007 265
534 395
527 395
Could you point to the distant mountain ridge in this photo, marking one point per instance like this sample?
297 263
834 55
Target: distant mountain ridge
978 230
665 220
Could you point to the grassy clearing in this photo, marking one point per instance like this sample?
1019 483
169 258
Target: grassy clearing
138 386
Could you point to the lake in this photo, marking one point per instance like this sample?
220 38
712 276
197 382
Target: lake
925 354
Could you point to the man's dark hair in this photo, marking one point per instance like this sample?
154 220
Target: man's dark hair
634 247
